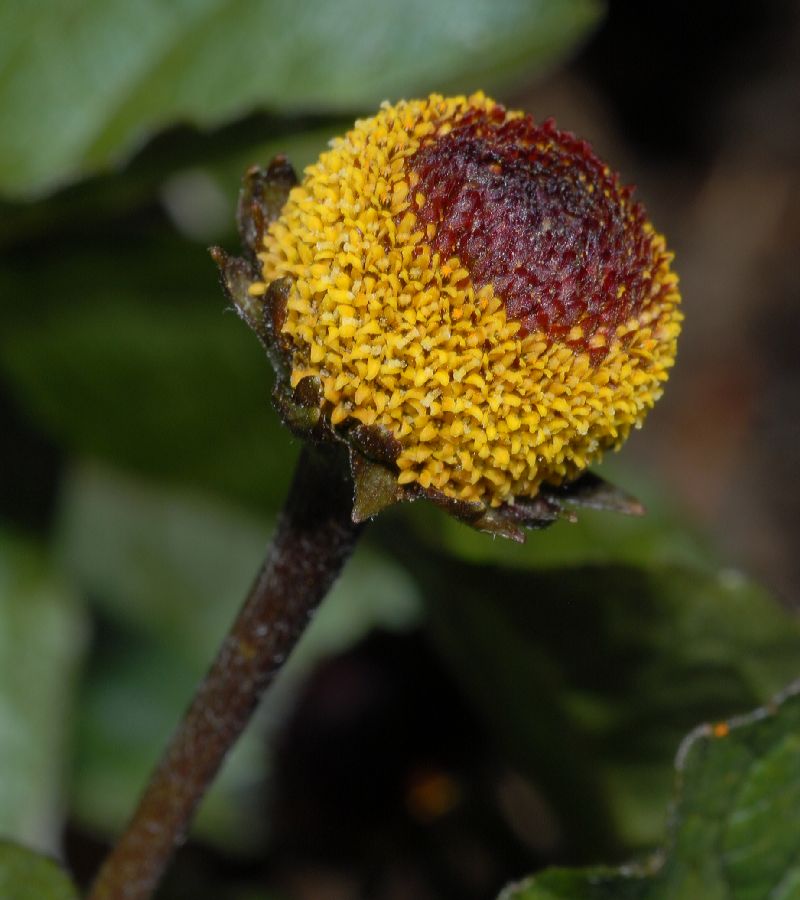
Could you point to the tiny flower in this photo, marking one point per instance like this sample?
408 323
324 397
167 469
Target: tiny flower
471 301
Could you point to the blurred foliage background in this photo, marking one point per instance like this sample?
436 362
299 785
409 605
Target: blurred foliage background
462 711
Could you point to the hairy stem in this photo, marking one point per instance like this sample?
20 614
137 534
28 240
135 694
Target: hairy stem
314 538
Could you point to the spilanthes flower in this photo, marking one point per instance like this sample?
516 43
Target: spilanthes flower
470 300
460 304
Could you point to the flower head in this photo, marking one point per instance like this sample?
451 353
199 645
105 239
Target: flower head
477 288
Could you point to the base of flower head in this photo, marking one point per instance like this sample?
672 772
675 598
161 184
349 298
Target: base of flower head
377 488
373 454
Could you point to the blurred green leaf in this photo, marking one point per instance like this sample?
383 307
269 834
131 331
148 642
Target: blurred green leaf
41 642
591 675
219 158
126 351
85 83
25 875
167 572
135 691
735 830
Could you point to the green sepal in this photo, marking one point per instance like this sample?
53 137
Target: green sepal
376 487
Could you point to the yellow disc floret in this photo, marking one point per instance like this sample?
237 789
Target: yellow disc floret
479 286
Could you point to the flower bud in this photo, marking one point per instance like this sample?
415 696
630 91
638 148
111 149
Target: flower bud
471 300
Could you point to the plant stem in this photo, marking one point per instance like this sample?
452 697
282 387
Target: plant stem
314 538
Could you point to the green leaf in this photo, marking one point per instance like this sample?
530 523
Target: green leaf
41 642
197 176
25 875
167 572
126 351
735 829
85 83
590 676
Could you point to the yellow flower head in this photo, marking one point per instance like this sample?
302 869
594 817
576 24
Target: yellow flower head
478 286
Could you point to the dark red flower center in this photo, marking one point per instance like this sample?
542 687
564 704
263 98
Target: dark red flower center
532 211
